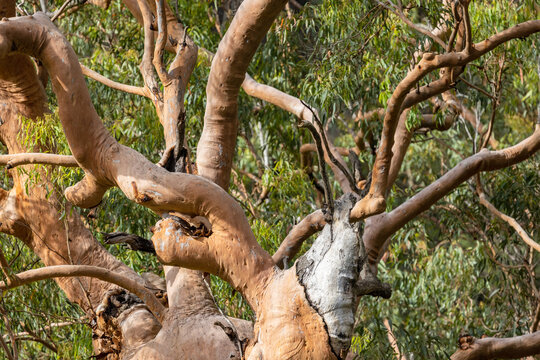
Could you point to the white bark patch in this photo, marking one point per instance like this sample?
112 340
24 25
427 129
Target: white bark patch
329 272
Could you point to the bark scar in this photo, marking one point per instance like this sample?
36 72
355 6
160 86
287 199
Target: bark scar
139 197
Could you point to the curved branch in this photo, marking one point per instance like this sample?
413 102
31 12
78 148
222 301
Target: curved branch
216 146
13 160
290 246
103 274
296 107
496 348
384 225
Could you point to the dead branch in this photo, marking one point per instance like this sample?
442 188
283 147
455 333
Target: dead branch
13 160
304 113
50 272
328 196
133 242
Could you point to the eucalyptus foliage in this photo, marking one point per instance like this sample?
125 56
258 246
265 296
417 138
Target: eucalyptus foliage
454 268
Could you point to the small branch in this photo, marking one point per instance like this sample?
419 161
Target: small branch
292 243
161 42
327 189
467 24
137 90
477 88
507 219
133 242
58 12
147 70
10 333
392 340
398 10
536 320
13 160
103 274
49 327
329 152
6 348
495 103
375 114
313 148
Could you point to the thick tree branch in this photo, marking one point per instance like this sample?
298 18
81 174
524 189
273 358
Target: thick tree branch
496 348
216 146
50 272
107 163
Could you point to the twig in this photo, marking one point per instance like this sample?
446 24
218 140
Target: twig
477 88
327 189
60 11
334 161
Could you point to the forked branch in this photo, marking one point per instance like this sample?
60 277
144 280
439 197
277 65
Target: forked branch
429 63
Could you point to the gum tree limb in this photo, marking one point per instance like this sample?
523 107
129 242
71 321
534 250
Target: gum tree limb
50 272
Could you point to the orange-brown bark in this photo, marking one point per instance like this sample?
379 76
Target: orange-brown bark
381 227
216 146
497 348
375 200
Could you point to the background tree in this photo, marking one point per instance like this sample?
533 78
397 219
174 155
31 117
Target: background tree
382 84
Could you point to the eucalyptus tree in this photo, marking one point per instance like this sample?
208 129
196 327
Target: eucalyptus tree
303 309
